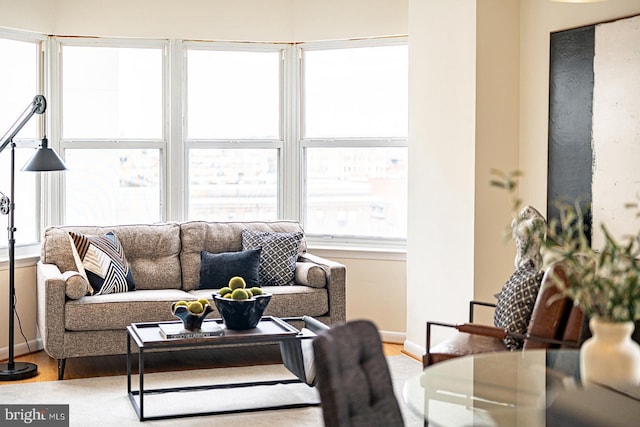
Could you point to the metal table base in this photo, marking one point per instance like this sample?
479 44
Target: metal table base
137 397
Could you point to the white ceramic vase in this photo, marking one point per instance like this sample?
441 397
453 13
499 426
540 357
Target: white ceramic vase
610 357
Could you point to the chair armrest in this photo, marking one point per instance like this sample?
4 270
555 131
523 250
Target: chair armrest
474 329
472 305
426 360
485 330
495 332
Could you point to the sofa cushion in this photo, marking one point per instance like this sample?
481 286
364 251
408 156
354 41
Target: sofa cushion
153 251
217 269
516 301
278 256
297 300
102 261
117 311
218 237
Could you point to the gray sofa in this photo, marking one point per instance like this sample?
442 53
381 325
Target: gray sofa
165 262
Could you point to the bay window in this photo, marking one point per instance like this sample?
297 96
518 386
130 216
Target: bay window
185 130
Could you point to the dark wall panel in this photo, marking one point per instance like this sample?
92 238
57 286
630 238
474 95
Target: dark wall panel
570 114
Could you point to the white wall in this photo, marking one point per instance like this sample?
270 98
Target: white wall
377 290
29 15
25 279
194 19
442 82
339 19
223 20
497 117
463 122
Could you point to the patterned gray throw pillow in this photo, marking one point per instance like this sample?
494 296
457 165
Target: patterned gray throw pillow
278 256
516 301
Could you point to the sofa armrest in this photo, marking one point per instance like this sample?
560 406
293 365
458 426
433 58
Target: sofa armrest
50 286
310 274
336 285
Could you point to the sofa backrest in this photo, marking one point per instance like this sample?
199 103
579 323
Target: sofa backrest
218 237
165 255
152 250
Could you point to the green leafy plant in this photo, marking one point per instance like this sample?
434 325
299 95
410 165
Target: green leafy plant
604 282
531 232
508 181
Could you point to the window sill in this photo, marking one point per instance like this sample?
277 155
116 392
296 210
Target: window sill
353 252
28 256
25 256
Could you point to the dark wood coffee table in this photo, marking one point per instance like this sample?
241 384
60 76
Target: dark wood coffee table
146 336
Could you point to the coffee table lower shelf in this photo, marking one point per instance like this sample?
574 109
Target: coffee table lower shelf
138 402
270 329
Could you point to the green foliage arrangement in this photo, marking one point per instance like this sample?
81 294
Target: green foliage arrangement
603 282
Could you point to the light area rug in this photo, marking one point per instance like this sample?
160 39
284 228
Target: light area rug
104 401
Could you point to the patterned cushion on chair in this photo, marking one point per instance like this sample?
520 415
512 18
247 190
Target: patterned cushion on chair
516 301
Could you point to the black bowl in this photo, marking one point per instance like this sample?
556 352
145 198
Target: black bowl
191 322
243 314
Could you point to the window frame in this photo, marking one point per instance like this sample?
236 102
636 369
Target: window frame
342 241
162 144
280 144
22 249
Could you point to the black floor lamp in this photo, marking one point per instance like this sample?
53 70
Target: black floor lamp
45 159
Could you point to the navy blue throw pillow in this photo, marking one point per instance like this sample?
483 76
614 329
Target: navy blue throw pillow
217 269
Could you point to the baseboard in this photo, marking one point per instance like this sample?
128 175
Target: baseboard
22 349
392 337
414 349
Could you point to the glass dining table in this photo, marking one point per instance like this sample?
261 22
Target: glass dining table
533 388
493 389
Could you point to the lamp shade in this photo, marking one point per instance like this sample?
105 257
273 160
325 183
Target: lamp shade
44 160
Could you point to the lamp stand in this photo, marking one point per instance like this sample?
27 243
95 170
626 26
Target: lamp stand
45 159
11 370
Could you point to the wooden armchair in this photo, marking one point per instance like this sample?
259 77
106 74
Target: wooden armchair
554 323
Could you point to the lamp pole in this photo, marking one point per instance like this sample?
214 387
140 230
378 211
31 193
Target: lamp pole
11 370
23 370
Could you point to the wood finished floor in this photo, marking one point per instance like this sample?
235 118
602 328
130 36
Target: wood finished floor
86 367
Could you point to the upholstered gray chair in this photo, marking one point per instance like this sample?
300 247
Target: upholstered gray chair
353 377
